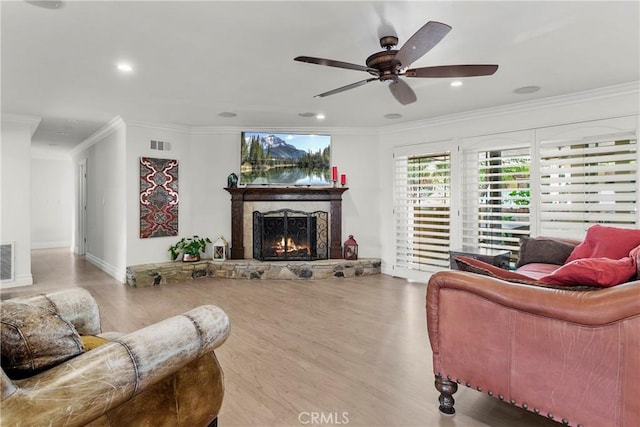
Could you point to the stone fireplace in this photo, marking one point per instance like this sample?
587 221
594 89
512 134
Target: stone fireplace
247 200
290 235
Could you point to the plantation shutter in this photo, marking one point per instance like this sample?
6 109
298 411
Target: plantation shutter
496 198
422 211
588 180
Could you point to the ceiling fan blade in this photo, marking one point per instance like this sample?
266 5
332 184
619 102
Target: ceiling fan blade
453 71
402 92
347 87
421 42
338 64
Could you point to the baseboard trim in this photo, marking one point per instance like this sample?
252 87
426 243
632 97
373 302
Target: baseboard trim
112 271
50 245
19 281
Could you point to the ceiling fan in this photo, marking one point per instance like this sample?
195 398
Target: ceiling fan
390 64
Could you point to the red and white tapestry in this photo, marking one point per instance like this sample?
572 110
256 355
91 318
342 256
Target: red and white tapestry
158 197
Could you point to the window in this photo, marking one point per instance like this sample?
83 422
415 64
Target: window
494 189
422 211
584 181
496 198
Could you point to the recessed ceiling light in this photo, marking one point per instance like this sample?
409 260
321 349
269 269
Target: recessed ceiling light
526 89
320 116
307 114
456 83
227 114
124 67
392 116
47 4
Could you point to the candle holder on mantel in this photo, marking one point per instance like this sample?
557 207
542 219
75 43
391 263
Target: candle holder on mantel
334 175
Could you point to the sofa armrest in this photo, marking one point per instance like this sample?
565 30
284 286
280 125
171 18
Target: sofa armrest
591 308
75 305
86 387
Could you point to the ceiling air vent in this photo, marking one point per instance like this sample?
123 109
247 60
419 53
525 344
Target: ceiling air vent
160 145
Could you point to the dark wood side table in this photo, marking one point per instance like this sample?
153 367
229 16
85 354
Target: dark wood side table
498 257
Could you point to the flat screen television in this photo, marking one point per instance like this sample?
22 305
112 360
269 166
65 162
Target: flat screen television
285 159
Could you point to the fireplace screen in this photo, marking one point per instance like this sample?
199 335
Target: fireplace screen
290 235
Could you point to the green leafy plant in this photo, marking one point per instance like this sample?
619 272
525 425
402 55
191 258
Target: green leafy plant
189 245
524 197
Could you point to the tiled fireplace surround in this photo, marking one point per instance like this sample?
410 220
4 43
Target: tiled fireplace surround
245 200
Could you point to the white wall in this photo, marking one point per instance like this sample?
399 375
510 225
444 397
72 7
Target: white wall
356 154
214 155
208 155
15 189
106 197
608 102
139 135
52 196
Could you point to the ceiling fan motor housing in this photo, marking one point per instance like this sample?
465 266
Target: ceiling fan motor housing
384 62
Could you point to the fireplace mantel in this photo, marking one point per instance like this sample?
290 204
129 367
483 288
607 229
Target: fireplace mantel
240 195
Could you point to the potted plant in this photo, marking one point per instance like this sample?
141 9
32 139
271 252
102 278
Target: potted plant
190 248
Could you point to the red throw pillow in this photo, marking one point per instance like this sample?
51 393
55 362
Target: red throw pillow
606 242
604 272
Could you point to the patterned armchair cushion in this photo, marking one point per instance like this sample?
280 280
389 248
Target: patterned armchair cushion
33 339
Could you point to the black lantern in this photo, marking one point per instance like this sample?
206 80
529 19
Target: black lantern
350 248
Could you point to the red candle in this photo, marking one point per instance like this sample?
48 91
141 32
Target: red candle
343 179
334 173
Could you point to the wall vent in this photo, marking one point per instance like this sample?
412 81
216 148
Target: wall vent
160 145
6 261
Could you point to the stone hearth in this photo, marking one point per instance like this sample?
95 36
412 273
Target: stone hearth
172 272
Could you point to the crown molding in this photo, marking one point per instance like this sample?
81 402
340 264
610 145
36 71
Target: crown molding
167 127
632 88
201 130
32 121
113 125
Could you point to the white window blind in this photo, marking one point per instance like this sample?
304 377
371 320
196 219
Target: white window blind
496 198
588 180
422 211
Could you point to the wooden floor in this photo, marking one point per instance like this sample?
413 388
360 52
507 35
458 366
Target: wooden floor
353 351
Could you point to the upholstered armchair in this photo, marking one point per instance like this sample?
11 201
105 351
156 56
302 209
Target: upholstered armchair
569 355
165 374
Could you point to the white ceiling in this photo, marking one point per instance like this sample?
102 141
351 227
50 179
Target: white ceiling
194 60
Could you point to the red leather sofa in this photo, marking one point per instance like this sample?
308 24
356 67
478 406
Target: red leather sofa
566 353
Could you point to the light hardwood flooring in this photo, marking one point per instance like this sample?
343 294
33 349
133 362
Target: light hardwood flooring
353 351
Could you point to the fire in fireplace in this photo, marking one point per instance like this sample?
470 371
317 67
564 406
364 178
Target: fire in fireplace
290 235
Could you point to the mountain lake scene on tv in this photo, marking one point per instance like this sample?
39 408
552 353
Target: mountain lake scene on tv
285 159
